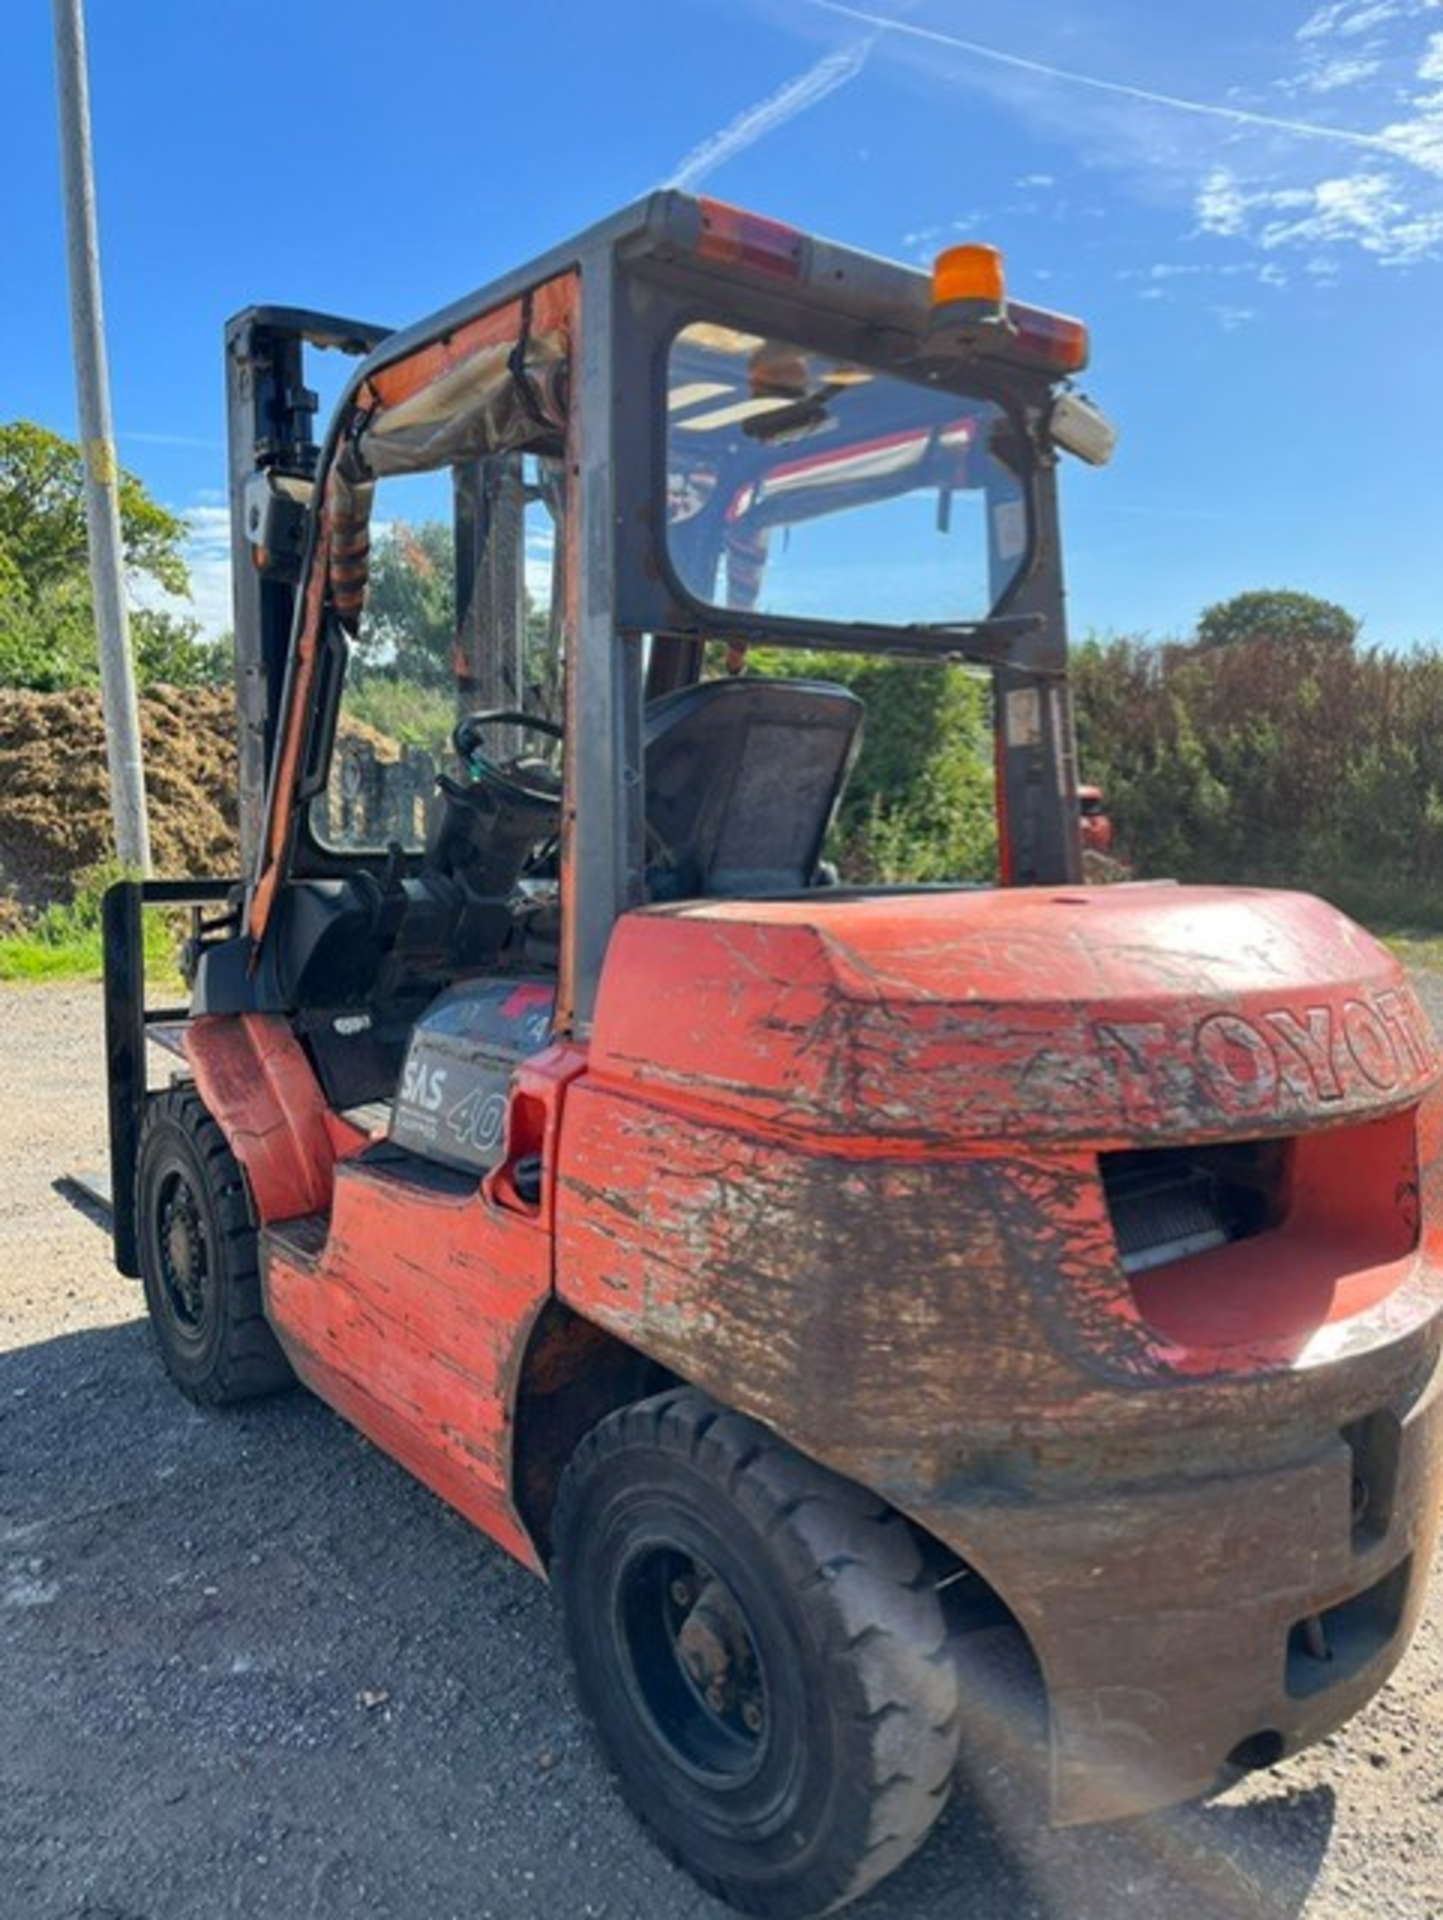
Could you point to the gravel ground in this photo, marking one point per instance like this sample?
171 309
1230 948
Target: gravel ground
247 1666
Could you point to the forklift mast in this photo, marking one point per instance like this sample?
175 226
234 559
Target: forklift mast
270 415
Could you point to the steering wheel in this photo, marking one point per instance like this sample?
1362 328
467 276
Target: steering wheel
525 782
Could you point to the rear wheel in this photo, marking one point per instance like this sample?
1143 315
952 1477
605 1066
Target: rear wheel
761 1652
198 1257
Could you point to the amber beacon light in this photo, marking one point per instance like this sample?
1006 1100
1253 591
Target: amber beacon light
968 283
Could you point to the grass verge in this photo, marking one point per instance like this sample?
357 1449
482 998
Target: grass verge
1415 947
64 942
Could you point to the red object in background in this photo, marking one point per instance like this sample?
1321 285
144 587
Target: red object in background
1096 824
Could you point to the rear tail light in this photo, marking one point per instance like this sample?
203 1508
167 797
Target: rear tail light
734 238
1052 341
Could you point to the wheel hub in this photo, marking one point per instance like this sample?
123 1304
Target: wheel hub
716 1651
182 1252
694 1664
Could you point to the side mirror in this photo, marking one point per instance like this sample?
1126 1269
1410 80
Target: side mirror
1081 428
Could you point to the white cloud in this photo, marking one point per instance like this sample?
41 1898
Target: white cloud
540 561
1346 70
1365 211
1344 19
1419 141
205 550
1389 206
1160 279
1222 206
1226 208
208 557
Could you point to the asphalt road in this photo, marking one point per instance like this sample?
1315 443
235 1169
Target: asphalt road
247 1667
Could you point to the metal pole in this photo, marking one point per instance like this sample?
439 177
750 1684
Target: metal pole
102 474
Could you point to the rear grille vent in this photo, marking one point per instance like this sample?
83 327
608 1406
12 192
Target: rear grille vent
1167 1203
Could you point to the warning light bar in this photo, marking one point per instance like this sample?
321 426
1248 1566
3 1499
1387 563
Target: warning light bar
968 297
736 239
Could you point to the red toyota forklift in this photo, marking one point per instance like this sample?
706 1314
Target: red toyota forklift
797 1272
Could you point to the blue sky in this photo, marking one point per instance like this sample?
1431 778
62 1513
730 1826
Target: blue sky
1245 201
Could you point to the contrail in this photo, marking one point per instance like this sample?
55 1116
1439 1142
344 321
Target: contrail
1240 116
166 439
767 115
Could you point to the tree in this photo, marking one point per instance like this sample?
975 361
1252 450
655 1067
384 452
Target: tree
47 636
170 647
919 804
47 623
1276 614
42 515
409 627
408 630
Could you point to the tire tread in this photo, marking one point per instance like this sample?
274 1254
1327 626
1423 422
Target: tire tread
854 1568
249 1361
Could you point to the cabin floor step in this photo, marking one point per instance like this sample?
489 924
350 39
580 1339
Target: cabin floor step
389 1165
301 1240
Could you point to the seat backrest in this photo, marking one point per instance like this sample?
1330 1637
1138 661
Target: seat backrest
743 777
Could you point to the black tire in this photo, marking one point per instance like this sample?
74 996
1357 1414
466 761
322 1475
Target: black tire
761 1652
198 1257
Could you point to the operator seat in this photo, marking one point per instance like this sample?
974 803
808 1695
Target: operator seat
742 779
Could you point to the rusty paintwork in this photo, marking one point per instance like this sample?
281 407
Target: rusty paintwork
410 1321
410 1310
952 1020
255 1078
836 1161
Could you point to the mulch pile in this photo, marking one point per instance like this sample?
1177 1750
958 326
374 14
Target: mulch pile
55 790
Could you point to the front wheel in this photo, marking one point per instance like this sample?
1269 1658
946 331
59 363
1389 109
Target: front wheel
760 1651
198 1257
